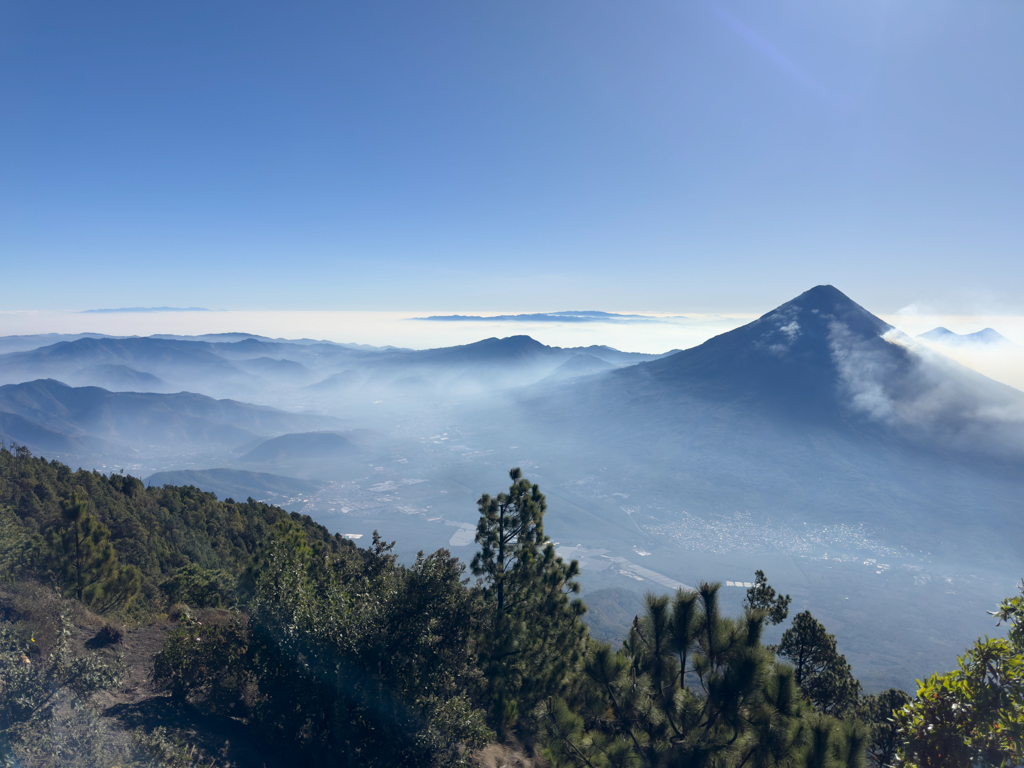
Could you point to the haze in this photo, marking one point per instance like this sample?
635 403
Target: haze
233 237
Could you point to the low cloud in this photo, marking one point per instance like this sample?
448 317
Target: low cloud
589 316
905 384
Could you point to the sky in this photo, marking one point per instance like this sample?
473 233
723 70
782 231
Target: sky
695 156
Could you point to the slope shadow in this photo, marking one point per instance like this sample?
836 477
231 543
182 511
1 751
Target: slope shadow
232 740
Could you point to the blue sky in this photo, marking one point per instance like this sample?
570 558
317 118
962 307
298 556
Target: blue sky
688 156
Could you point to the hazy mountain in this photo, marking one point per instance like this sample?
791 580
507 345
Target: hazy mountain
278 369
513 349
578 365
35 341
317 446
274 371
233 337
347 379
237 484
569 316
612 355
15 429
118 378
138 420
817 411
985 337
184 365
483 366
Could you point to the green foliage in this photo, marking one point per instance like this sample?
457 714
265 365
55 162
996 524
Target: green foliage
84 562
878 712
692 688
532 634
761 597
822 673
973 715
16 545
30 683
346 656
161 747
202 660
157 530
200 587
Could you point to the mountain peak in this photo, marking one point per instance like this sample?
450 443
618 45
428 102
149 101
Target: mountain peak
796 358
823 305
984 337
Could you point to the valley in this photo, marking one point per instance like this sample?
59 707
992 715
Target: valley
877 484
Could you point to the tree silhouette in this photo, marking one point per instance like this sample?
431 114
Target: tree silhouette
84 562
822 673
762 597
973 715
533 634
692 688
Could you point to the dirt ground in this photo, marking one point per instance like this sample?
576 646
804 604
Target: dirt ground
213 740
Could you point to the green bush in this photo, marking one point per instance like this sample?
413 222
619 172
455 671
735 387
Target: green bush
200 587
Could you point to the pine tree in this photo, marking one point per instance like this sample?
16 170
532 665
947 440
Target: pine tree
15 545
762 597
822 673
84 562
692 688
534 634
878 711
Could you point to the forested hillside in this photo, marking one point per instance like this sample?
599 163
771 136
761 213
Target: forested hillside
161 626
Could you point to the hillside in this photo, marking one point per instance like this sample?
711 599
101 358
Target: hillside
255 638
131 419
237 484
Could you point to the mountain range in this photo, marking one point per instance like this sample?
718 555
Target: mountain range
817 409
986 337
48 415
816 441
269 370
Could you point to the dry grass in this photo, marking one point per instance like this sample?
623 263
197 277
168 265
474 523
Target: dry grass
502 756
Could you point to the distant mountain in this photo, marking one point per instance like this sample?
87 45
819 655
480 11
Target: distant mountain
816 411
118 378
24 343
570 316
820 358
252 367
336 382
612 355
237 484
140 420
183 365
15 429
797 358
578 365
610 613
985 337
513 349
235 336
307 445
487 365
277 369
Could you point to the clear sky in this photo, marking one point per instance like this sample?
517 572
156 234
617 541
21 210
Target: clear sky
520 155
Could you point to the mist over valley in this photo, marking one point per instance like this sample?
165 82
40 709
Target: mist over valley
876 480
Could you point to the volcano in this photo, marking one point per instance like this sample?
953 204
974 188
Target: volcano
816 411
